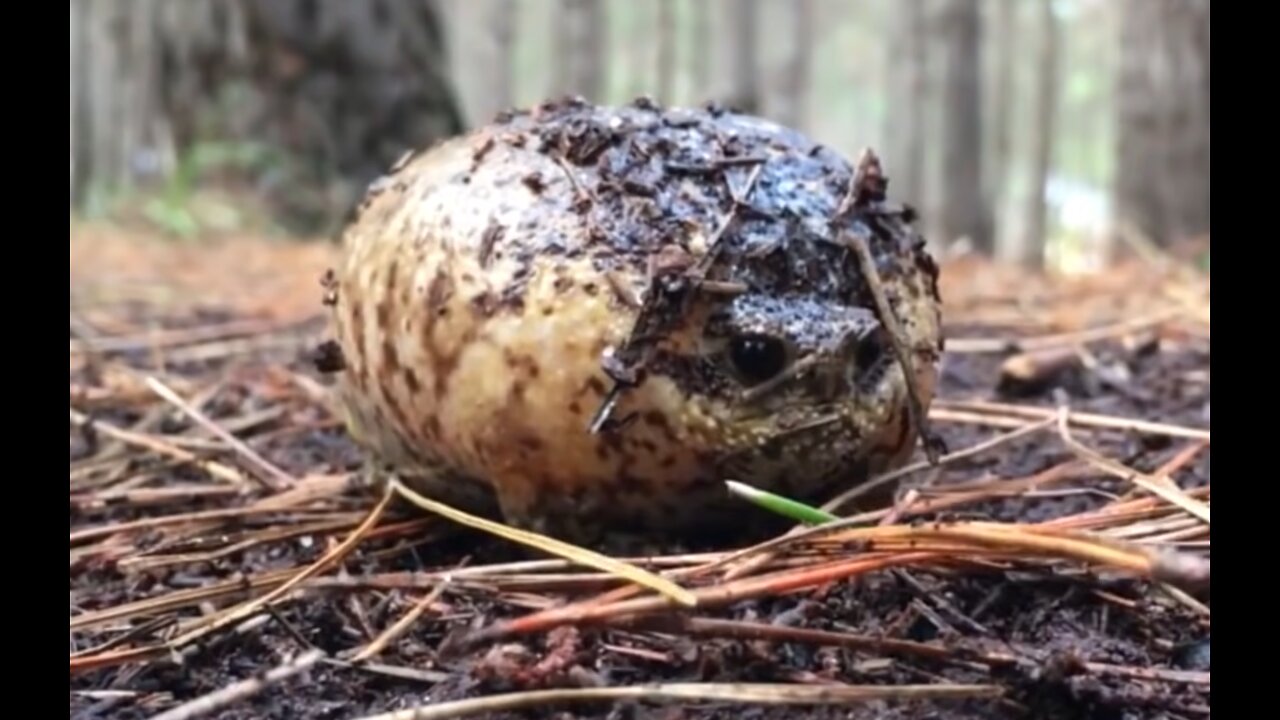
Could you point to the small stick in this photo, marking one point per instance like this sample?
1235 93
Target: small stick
242 690
885 311
156 445
400 626
1162 487
98 531
1038 367
1080 419
247 609
761 693
766 551
150 496
582 192
184 336
1058 340
273 477
697 273
948 459
146 628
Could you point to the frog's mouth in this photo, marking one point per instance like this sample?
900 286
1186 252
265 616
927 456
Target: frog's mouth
804 445
797 425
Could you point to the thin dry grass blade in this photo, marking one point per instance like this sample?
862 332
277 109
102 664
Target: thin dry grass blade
553 546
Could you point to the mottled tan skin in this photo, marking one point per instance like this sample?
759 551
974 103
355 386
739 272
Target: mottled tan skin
482 289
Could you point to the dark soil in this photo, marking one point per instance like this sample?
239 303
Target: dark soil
1055 622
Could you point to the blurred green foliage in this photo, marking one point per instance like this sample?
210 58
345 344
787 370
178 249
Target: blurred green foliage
181 208
213 188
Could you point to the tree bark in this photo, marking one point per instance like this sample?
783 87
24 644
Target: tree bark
580 56
963 211
1162 174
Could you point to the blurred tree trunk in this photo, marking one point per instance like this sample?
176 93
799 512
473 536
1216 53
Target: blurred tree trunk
120 133
741 27
1030 251
635 52
963 210
352 86
905 131
345 88
481 54
76 69
700 50
502 22
1004 49
1206 135
580 55
1162 177
796 83
666 49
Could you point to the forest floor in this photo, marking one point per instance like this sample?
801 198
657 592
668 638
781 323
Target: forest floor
225 564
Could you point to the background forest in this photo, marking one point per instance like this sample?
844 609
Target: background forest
1030 130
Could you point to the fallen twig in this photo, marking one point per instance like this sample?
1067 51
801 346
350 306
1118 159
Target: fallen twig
760 693
1059 340
1161 486
243 690
400 626
944 409
185 336
247 609
273 477
214 468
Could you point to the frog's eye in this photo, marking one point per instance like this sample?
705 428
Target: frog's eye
872 349
757 358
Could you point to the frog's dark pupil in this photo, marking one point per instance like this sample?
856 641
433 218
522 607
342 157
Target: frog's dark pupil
757 358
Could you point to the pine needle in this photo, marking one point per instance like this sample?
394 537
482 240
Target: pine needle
786 507
552 546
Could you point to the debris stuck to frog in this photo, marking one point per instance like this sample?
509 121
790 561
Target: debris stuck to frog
587 318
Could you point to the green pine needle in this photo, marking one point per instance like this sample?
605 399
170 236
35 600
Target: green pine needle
786 507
